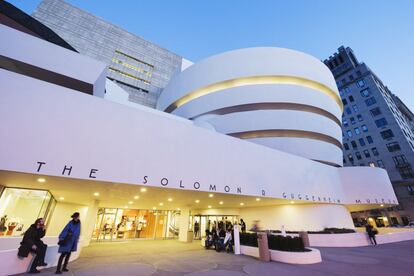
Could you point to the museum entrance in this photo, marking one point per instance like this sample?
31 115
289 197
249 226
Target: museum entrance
200 223
116 224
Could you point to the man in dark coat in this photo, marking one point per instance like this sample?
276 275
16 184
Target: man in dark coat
32 243
371 233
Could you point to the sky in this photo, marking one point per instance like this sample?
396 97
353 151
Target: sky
381 32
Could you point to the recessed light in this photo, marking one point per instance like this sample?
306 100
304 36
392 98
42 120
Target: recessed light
130 202
170 199
257 199
41 180
126 207
210 195
161 204
136 197
382 205
61 198
178 209
96 194
209 206
292 202
197 201
221 202
143 190
153 208
241 204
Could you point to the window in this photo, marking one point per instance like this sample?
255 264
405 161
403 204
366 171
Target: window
352 119
351 99
358 73
349 133
371 164
380 164
370 101
350 158
365 93
410 190
344 101
370 140
406 172
355 108
360 83
23 206
394 146
351 77
354 145
358 155
357 131
364 128
375 151
359 116
348 110
386 134
367 154
344 160
346 146
400 160
347 89
375 111
344 122
381 122
361 142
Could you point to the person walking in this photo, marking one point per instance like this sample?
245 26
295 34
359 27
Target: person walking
68 242
32 243
371 233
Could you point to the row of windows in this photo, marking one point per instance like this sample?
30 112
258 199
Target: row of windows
357 131
371 163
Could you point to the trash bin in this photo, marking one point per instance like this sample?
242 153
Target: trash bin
264 253
190 235
305 238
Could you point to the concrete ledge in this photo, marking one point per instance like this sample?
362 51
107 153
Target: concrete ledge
309 257
249 251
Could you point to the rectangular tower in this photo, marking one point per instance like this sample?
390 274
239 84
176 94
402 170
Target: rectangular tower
138 66
377 130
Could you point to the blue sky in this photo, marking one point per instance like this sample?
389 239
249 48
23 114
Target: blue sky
381 32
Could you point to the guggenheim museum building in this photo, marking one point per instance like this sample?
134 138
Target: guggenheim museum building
145 144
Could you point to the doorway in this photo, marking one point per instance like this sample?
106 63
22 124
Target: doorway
201 223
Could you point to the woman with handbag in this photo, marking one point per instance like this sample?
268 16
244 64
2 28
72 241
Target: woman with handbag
68 242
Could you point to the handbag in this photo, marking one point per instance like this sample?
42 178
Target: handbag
66 239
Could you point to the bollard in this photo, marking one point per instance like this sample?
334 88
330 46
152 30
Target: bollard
264 253
305 238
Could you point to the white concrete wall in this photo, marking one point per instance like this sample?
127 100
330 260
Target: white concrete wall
295 217
62 215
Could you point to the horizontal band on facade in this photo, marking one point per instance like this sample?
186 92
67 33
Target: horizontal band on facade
327 163
268 133
255 80
272 106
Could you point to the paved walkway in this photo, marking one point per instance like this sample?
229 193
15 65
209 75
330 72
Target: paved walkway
174 258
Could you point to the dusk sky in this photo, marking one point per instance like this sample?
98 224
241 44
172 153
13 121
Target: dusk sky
380 32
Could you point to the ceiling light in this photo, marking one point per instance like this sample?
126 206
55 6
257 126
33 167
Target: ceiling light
96 194
161 204
41 180
136 197
210 195
382 205
257 199
143 190
197 201
292 202
130 202
178 209
170 199
61 198
209 206
126 207
221 202
241 204
153 208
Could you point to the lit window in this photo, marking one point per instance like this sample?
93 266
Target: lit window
359 116
357 131
360 83
350 158
355 108
370 101
364 128
344 122
365 92
349 133
367 154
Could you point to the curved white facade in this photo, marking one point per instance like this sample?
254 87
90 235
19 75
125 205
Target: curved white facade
275 97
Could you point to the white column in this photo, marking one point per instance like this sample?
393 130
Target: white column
89 222
236 234
184 224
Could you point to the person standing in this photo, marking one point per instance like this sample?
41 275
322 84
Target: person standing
68 242
371 233
32 243
196 229
242 226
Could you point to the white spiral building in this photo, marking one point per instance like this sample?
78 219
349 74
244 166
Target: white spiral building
280 98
